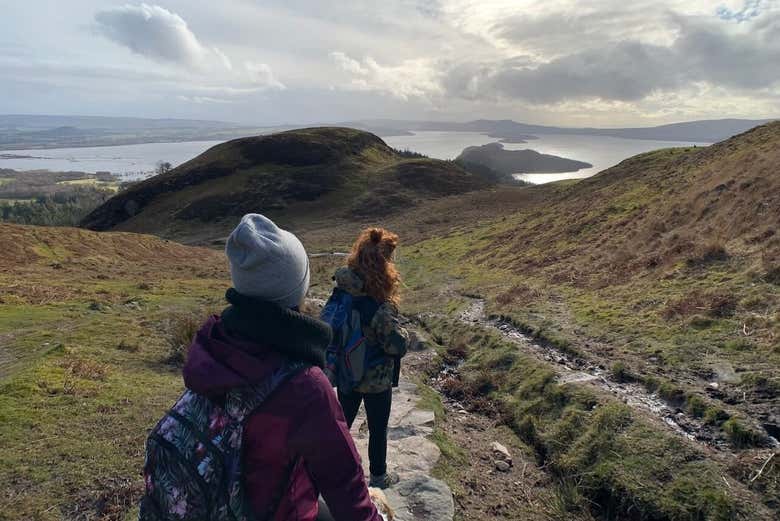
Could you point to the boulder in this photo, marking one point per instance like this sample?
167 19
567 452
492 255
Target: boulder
502 465
500 452
422 498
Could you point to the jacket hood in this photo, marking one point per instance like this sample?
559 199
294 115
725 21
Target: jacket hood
349 280
248 342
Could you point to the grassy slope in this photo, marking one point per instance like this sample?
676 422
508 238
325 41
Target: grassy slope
617 268
663 262
659 266
606 459
540 254
82 371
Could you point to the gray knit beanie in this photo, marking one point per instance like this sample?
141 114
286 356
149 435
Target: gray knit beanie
267 262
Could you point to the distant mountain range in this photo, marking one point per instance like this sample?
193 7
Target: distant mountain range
44 131
705 131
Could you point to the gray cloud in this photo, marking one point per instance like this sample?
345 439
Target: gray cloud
749 61
151 31
588 62
556 33
632 70
164 36
626 71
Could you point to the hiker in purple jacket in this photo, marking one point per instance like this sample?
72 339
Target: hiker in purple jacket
297 444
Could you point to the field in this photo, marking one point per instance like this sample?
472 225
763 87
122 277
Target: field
108 185
85 364
16 201
52 198
656 282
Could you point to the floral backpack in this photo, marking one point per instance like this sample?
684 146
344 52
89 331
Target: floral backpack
193 468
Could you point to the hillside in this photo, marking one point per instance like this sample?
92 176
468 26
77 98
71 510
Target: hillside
655 210
329 172
50 274
666 266
618 334
89 324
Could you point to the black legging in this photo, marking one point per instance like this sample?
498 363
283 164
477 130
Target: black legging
378 413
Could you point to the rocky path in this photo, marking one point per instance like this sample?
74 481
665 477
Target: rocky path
410 453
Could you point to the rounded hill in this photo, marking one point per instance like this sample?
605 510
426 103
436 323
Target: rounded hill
328 171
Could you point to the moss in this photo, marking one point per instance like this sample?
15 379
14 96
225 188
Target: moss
671 393
430 401
740 435
695 405
714 415
651 383
620 372
626 466
739 344
452 457
686 494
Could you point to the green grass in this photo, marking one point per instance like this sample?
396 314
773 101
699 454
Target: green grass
84 369
16 201
453 457
624 462
80 432
613 268
630 317
109 185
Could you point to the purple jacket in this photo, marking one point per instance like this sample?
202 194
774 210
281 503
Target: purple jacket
297 444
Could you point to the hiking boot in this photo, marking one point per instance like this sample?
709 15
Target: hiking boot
386 480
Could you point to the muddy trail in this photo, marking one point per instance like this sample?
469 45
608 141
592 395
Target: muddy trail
574 369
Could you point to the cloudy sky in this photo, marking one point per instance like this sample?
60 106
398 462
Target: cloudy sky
566 62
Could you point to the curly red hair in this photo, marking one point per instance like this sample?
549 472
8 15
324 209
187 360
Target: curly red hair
372 258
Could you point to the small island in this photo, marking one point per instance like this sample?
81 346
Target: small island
513 139
495 157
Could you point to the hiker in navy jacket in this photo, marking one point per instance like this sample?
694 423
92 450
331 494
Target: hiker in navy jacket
297 445
371 275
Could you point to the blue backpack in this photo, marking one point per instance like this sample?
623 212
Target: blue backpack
349 355
194 468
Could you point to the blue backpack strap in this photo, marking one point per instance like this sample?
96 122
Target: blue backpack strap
337 313
367 307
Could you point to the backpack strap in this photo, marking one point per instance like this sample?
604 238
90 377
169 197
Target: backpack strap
241 403
367 307
276 502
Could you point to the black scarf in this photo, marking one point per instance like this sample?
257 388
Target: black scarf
286 331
